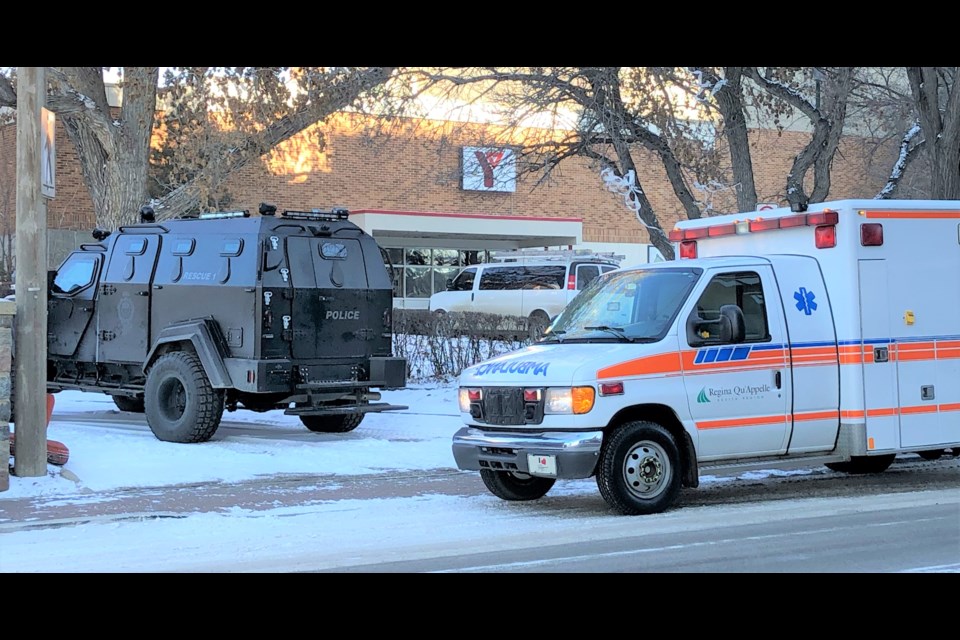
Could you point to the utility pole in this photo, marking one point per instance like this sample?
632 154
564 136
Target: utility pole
30 339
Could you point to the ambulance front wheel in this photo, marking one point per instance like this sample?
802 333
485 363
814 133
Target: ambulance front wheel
513 486
639 469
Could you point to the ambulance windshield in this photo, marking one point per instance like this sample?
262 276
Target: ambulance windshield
638 305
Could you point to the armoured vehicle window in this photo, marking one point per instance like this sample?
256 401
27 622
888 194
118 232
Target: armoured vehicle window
333 250
75 274
136 247
183 247
232 247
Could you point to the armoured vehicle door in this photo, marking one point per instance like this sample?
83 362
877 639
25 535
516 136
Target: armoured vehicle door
71 302
332 300
123 312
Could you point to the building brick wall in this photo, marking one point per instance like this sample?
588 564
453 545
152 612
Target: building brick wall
417 168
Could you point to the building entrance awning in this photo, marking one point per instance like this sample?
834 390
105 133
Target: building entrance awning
466 230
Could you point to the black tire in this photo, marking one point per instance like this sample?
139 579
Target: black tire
863 464
639 469
180 403
341 423
133 404
931 454
515 486
537 324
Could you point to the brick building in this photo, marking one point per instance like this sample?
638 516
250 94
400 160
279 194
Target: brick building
436 195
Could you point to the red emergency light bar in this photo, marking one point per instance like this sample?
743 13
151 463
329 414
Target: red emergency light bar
759 224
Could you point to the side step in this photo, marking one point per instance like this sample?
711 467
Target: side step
329 411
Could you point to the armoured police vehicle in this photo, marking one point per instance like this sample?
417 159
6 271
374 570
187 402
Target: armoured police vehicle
185 318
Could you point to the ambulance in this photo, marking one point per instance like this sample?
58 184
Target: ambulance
775 340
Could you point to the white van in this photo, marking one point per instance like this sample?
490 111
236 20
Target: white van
534 289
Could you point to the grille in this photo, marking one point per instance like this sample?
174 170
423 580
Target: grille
503 405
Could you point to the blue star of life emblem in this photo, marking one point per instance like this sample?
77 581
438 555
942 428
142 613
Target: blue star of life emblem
805 301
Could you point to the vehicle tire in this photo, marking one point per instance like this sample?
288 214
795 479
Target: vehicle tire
863 464
180 403
537 324
931 454
341 423
515 486
639 469
133 404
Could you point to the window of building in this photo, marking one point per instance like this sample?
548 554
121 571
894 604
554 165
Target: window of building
419 273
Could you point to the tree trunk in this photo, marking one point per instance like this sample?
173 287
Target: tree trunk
730 103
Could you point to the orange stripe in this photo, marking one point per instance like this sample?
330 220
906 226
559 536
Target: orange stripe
953 406
930 408
816 415
741 422
882 412
648 365
852 414
913 214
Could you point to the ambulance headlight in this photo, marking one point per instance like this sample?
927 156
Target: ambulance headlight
574 400
467 396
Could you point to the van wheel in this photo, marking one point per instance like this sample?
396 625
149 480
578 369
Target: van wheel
515 486
863 464
932 454
180 403
132 404
639 469
537 324
333 424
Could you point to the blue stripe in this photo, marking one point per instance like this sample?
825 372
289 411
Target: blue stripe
710 356
699 357
724 354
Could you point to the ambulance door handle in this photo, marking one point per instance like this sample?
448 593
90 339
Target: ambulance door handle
777 378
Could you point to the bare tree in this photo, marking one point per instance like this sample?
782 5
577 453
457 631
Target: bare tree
936 99
253 108
694 120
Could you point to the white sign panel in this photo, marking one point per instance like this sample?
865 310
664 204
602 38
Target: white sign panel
489 169
48 154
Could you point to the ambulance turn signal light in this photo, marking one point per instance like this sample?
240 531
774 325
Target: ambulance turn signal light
688 249
871 235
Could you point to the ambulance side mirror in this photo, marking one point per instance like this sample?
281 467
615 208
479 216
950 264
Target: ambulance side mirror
732 324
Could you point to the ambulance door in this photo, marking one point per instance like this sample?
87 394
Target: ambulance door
738 386
880 393
812 340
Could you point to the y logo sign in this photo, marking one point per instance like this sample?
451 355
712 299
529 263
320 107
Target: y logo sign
805 301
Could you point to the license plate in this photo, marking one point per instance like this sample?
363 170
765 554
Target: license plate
542 465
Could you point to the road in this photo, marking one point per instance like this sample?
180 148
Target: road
906 519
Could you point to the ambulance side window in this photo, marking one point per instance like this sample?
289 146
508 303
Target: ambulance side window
742 289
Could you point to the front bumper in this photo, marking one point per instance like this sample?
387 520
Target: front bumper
576 453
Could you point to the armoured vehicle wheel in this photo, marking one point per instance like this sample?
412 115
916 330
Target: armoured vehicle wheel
509 485
639 469
129 403
332 424
181 405
863 464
